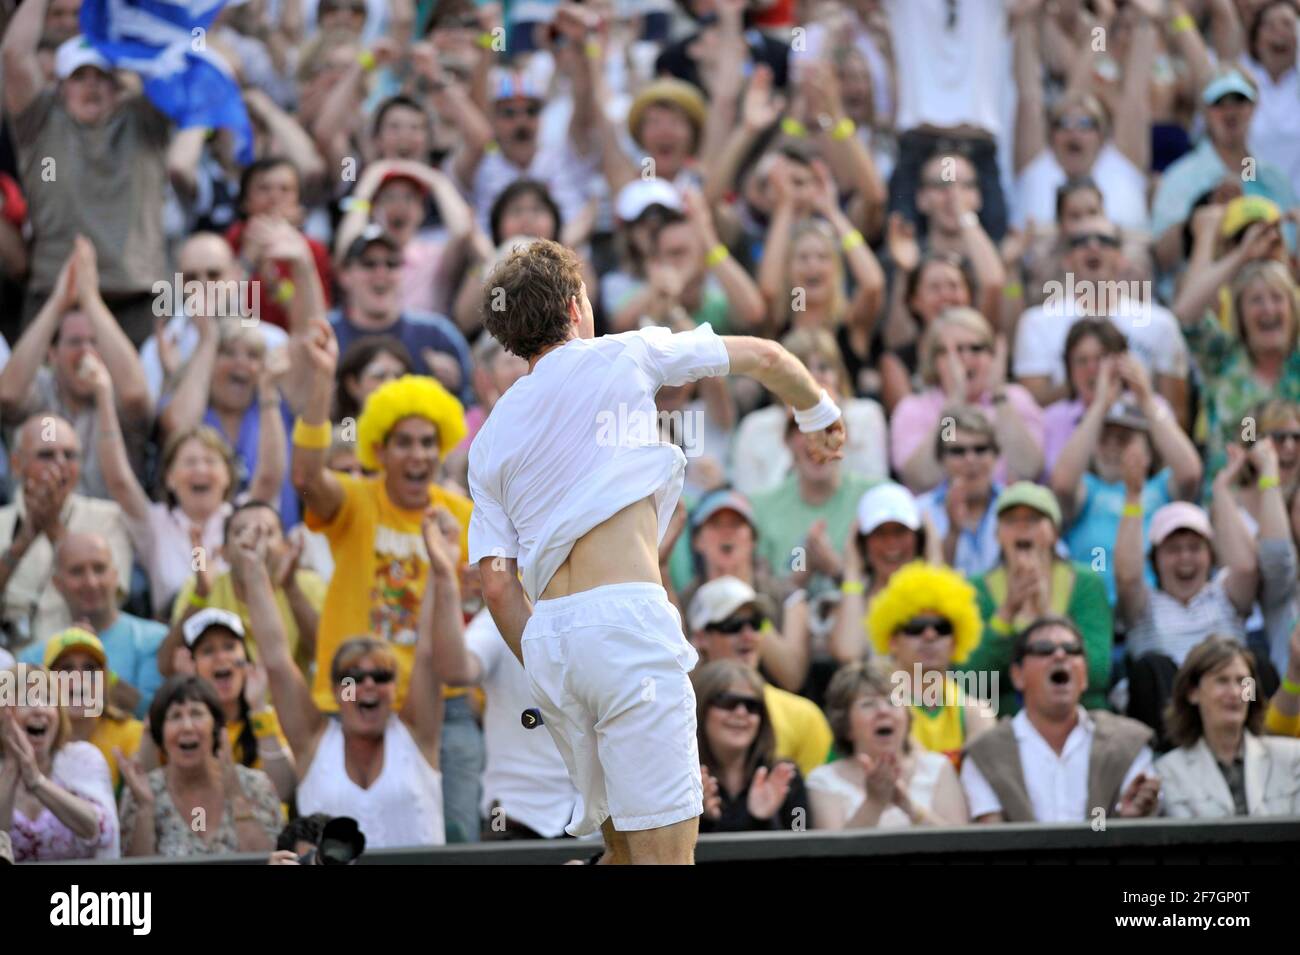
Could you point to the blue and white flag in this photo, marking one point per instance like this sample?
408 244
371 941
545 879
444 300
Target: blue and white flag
165 41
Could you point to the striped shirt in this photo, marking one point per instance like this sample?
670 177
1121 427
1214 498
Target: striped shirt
1169 627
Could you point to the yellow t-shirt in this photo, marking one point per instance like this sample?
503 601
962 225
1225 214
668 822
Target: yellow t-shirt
802 733
124 734
223 597
379 573
941 727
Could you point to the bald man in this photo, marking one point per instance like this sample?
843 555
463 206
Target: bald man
86 577
204 257
46 464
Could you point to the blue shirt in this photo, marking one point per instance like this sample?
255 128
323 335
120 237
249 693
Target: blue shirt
131 645
977 550
1092 536
417 331
245 446
1200 171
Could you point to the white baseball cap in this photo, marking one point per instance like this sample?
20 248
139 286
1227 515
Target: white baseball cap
888 503
73 54
640 194
203 621
719 599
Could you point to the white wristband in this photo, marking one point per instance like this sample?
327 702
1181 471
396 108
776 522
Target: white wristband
820 416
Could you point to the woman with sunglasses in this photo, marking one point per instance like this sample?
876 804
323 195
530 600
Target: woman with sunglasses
961 508
378 766
755 791
882 779
201 802
962 363
1075 138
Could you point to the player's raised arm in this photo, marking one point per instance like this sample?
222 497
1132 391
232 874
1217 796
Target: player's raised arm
781 373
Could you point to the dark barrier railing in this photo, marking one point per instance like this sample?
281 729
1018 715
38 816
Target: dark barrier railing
1122 842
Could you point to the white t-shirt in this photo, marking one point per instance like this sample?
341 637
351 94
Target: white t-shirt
1152 332
1123 189
576 441
569 177
954 76
1275 127
525 773
1057 784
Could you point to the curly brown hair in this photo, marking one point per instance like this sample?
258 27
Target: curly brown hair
526 297
1182 717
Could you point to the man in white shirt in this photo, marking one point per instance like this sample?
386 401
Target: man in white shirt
1054 761
527 792
573 488
1094 285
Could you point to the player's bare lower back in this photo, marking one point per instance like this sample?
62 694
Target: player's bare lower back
623 549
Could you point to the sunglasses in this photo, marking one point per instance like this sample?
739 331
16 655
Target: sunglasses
1088 238
1280 436
962 450
370 265
733 625
381 677
532 111
729 701
1048 648
1077 123
918 625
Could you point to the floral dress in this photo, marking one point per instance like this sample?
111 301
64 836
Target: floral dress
177 835
1229 388
81 769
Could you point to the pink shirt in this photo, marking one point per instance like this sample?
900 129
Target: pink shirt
422 277
916 417
1060 418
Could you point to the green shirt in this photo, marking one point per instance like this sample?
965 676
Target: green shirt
783 519
1086 606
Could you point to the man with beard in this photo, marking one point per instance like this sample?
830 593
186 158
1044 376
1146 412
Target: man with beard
1054 761
46 462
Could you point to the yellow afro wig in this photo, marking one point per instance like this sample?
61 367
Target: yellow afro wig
921 587
410 395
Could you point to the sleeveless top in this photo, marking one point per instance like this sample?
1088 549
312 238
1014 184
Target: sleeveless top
402 807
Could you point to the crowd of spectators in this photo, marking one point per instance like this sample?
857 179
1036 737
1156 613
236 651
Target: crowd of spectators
1042 253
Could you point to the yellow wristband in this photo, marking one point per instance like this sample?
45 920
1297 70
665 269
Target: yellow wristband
593 50
1001 626
792 127
1268 482
1013 290
852 240
1132 510
367 60
284 290
312 437
717 255
484 41
844 129
265 724
1182 23
197 601
853 587
1291 686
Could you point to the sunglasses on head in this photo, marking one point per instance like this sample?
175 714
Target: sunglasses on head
962 450
918 625
380 677
1088 238
733 625
1048 648
729 701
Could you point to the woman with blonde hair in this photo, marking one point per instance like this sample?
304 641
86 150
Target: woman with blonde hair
962 363
56 796
1259 363
761 457
883 780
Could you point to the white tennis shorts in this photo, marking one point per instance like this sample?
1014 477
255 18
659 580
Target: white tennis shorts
609 669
